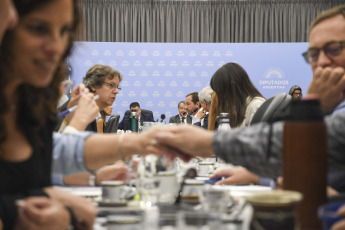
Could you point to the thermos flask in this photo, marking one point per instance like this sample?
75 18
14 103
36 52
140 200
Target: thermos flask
305 158
133 119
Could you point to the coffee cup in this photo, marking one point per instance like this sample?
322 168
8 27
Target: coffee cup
112 190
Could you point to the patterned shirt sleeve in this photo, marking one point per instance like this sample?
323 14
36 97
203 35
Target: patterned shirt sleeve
254 148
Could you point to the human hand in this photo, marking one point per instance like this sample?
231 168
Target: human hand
41 213
83 209
235 175
200 114
185 141
329 84
76 94
340 225
116 171
86 111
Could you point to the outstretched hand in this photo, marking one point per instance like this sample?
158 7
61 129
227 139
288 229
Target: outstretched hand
185 141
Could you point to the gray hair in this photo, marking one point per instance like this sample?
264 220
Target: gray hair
205 95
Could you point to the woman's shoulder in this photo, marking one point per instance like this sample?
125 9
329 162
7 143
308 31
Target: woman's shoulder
255 100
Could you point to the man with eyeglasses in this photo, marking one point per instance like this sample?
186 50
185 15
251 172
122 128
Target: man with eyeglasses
326 56
104 81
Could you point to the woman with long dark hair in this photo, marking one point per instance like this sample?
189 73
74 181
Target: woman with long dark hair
235 94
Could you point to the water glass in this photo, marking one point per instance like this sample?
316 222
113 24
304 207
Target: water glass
215 201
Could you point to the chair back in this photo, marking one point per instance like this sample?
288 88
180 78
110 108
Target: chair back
273 109
112 124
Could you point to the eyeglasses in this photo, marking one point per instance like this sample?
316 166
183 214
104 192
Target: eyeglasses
112 85
331 49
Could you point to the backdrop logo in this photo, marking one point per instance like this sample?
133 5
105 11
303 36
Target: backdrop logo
156 73
209 64
156 53
185 64
228 53
168 53
125 104
197 84
88 63
161 63
131 93
149 84
180 74
161 84
137 63
131 53
204 74
168 74
173 104
216 53
113 63
192 53
149 104
185 84
197 64
180 94
192 74
143 53
107 53
132 73
144 94
94 53
167 94
144 73
161 104
173 84
149 63
204 53
137 83
119 53
173 63
156 94
274 79
180 53
124 83
125 63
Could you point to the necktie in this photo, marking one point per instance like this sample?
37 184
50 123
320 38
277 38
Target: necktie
182 120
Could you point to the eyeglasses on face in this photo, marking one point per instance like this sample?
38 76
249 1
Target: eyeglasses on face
331 49
112 85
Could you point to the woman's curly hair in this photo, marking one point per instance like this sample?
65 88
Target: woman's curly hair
41 101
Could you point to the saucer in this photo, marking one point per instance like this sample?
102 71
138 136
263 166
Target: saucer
109 203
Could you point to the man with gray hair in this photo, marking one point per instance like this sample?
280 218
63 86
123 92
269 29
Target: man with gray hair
205 99
104 81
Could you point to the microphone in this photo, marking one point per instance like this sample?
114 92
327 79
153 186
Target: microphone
196 109
183 114
162 117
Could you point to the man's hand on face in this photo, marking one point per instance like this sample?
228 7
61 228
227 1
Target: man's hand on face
329 84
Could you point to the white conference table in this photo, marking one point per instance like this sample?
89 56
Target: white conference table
242 211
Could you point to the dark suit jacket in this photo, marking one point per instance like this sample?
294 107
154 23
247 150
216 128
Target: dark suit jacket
176 119
205 125
146 115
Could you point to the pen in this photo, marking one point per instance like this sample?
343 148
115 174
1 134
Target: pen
67 111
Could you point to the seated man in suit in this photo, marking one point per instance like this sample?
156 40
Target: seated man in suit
143 115
182 116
